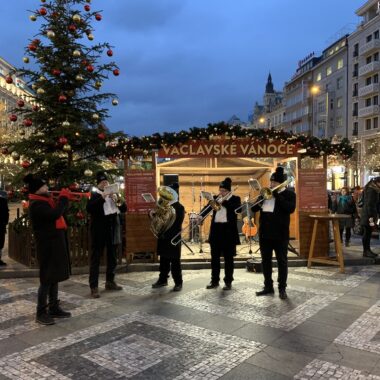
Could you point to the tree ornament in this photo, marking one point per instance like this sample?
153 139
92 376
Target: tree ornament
13 117
90 68
43 1
35 108
71 93
25 164
62 98
32 47
90 36
67 148
8 79
62 140
25 59
101 136
4 151
116 72
95 116
98 17
21 133
32 18
27 122
15 155
42 78
72 28
56 72
115 102
50 34
79 77
66 123
40 91
79 215
77 18
76 53
98 84
110 53
88 173
88 1
42 11
74 186
20 103
87 8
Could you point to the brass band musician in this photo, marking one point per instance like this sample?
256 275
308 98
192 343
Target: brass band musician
274 231
224 235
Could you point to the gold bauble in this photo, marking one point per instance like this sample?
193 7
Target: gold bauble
76 17
88 173
67 147
42 78
25 60
32 18
40 91
79 77
90 36
66 124
95 116
50 34
15 155
45 163
76 53
115 102
98 84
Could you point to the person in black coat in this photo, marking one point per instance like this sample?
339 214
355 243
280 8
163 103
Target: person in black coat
224 235
274 232
170 255
105 233
370 214
49 228
4 219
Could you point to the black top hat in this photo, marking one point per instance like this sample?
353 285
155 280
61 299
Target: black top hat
279 175
174 186
33 183
226 184
101 176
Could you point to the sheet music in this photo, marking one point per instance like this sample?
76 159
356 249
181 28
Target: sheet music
111 189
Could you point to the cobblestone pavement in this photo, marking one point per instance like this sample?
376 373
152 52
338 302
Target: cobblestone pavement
329 328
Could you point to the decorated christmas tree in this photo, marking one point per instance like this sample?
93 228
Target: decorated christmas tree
66 140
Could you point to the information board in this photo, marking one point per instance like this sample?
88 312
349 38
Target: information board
312 191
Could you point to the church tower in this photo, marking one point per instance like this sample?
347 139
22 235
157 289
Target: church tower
269 96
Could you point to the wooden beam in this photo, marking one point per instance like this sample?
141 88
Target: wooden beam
210 171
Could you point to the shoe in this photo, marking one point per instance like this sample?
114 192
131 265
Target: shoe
283 295
44 319
177 288
111 285
227 287
265 292
95 293
212 285
57 312
2 263
347 243
159 284
370 254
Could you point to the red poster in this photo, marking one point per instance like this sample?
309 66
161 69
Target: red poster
312 189
137 183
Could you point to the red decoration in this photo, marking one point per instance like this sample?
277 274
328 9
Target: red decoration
116 72
56 72
13 117
35 108
84 62
87 8
62 140
62 98
42 11
80 215
110 53
101 136
25 164
90 68
32 47
74 186
27 123
20 103
98 17
72 28
4 151
36 41
9 79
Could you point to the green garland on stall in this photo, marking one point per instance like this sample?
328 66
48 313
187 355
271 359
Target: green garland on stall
314 146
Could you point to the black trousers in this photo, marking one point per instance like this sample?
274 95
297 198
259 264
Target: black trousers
348 233
366 239
3 231
280 248
96 254
45 292
172 264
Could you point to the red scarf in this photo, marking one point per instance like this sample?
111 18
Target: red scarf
60 223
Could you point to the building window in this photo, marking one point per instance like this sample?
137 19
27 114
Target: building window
355 89
368 81
376 57
340 63
368 102
339 102
355 129
376 35
376 78
356 69
375 100
339 122
368 60
319 77
356 50
329 71
339 83
321 107
331 104
368 124
375 122
355 108
369 38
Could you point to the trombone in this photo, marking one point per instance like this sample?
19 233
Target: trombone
213 205
265 193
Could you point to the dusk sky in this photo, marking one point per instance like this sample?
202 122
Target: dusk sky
186 63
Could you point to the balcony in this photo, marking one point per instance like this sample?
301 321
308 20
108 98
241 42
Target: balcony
369 47
369 68
369 111
370 89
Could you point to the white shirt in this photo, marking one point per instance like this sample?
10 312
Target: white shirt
221 216
268 204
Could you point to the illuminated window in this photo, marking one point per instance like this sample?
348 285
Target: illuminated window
339 102
340 63
329 71
319 77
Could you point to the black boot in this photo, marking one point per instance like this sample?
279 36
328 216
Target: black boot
265 292
55 311
159 284
43 317
369 253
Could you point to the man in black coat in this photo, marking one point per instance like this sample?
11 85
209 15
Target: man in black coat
370 214
224 235
105 233
170 255
274 232
4 219
49 228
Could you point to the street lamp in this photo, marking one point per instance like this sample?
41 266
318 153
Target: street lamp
314 90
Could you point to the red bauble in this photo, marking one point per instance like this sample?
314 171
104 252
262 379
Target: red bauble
62 140
84 62
110 53
25 164
90 68
35 108
42 11
116 72
32 47
36 41
56 72
62 98
27 123
74 186
9 79
4 151
87 8
20 103
98 17
101 136
72 28
13 117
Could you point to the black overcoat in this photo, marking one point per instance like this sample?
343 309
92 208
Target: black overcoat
275 225
164 246
371 199
51 243
4 213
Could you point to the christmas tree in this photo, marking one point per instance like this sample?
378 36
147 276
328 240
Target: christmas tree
66 140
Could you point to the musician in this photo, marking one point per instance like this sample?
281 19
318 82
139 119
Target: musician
170 255
49 229
274 232
224 235
105 233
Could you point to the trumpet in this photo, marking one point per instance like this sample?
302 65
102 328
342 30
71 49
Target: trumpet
265 193
213 205
73 196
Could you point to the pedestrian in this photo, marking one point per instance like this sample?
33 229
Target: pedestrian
4 219
345 204
224 235
370 214
49 229
170 255
274 231
105 233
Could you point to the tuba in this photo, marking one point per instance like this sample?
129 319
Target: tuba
163 215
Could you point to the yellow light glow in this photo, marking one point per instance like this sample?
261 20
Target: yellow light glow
261 120
315 89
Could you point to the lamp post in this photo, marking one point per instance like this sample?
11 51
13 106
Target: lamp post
314 90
